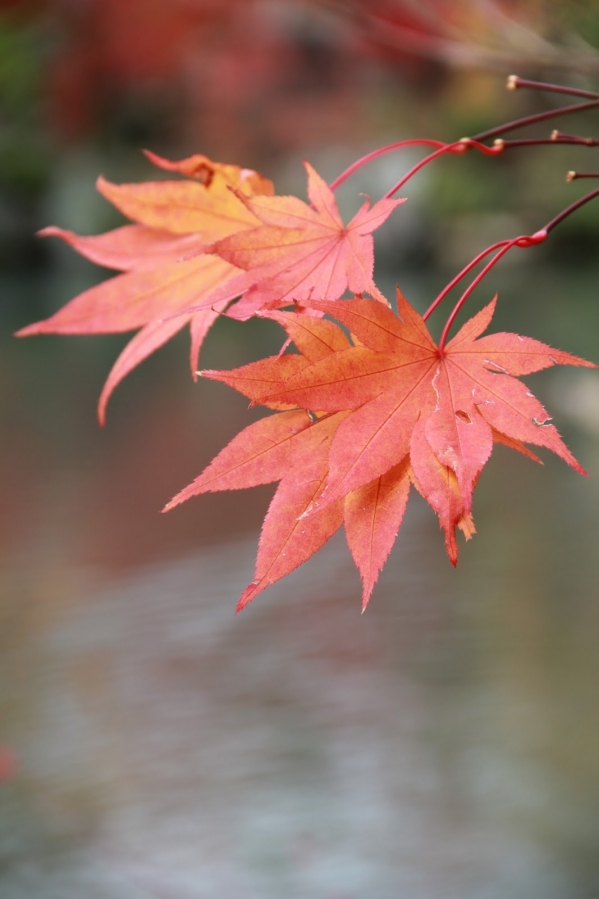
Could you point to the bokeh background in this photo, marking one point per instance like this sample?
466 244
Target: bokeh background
444 744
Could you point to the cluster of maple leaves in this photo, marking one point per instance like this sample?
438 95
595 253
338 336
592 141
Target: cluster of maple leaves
364 408
201 243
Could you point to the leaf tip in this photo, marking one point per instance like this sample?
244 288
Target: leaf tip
451 545
49 231
248 595
153 157
466 526
103 402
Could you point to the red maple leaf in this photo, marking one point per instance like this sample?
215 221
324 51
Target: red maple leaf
370 417
299 251
181 264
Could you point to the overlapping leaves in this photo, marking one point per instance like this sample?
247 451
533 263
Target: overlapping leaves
199 244
362 420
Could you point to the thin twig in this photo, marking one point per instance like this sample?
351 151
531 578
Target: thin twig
514 82
533 119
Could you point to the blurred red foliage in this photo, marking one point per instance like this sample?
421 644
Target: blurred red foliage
266 76
224 70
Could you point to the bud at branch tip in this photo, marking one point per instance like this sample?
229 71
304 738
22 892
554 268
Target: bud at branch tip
512 82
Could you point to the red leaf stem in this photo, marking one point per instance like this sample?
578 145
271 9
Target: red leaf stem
460 146
522 241
449 287
398 145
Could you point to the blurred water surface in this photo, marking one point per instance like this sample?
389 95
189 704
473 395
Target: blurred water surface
444 744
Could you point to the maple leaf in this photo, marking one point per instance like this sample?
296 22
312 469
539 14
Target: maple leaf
186 260
366 419
173 219
300 251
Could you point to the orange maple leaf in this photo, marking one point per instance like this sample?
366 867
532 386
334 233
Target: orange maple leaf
173 219
368 419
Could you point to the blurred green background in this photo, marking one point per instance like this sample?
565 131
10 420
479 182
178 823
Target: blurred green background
446 743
